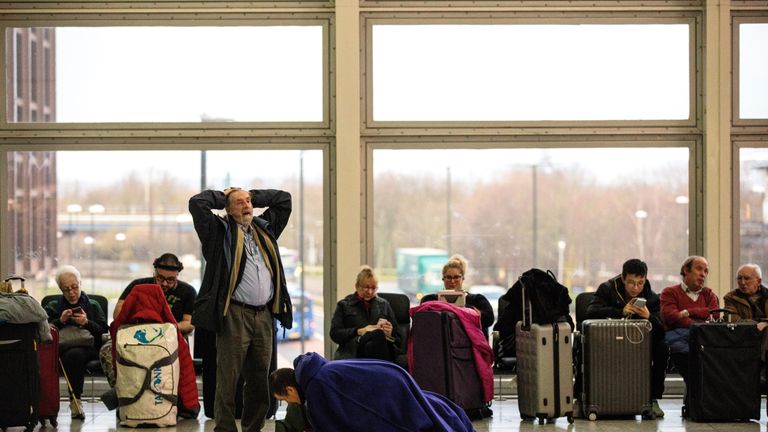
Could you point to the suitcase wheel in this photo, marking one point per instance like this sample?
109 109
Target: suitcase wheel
542 420
54 422
569 417
649 415
30 427
592 416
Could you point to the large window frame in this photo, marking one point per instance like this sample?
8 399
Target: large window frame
547 134
745 133
373 127
695 167
200 19
182 136
740 124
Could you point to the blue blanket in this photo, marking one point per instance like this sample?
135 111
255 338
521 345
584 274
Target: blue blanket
371 395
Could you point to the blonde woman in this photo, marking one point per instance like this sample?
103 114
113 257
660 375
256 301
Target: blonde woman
364 324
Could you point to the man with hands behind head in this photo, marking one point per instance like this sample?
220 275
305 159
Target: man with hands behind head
243 291
620 297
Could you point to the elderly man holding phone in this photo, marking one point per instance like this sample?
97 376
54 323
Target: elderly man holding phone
629 295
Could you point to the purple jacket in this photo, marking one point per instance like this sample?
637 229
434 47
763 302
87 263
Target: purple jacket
371 395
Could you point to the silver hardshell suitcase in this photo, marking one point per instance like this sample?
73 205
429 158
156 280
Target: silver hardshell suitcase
544 368
616 368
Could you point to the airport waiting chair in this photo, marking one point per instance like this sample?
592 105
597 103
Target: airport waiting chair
582 302
502 365
401 305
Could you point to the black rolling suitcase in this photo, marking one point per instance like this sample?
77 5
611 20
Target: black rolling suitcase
443 361
724 372
19 375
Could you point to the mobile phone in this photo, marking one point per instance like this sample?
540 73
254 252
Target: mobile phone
77 310
640 302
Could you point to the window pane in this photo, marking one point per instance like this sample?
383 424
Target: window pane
530 72
753 71
579 212
181 74
753 206
112 219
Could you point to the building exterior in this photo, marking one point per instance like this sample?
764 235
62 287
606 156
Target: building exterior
31 186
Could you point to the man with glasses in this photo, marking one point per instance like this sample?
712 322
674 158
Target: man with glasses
179 294
749 301
619 297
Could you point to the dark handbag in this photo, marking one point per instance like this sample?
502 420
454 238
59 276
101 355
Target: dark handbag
72 336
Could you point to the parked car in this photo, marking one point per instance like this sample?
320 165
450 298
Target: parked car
303 327
492 293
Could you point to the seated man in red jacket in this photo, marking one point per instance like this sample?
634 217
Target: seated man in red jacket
684 304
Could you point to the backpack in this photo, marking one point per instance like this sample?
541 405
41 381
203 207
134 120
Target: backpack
549 302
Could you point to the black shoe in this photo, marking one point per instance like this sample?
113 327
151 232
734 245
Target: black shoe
109 398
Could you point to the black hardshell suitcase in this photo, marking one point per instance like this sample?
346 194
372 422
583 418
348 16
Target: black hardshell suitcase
616 368
443 360
20 375
724 372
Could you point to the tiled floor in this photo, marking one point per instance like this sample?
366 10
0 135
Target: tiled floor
506 418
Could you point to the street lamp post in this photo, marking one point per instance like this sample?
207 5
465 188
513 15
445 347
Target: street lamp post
93 209
640 216
181 219
71 210
535 212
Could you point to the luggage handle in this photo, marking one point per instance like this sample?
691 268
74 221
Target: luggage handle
527 309
726 315
14 277
7 285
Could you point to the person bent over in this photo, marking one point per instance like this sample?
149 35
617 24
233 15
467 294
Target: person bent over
363 395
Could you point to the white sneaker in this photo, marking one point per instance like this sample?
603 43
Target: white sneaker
76 407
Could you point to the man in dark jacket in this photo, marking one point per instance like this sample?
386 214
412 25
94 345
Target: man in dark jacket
616 298
243 289
749 301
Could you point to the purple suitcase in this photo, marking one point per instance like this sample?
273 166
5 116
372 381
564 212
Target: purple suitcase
443 360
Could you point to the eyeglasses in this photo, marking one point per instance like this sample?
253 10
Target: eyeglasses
162 279
452 278
70 289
